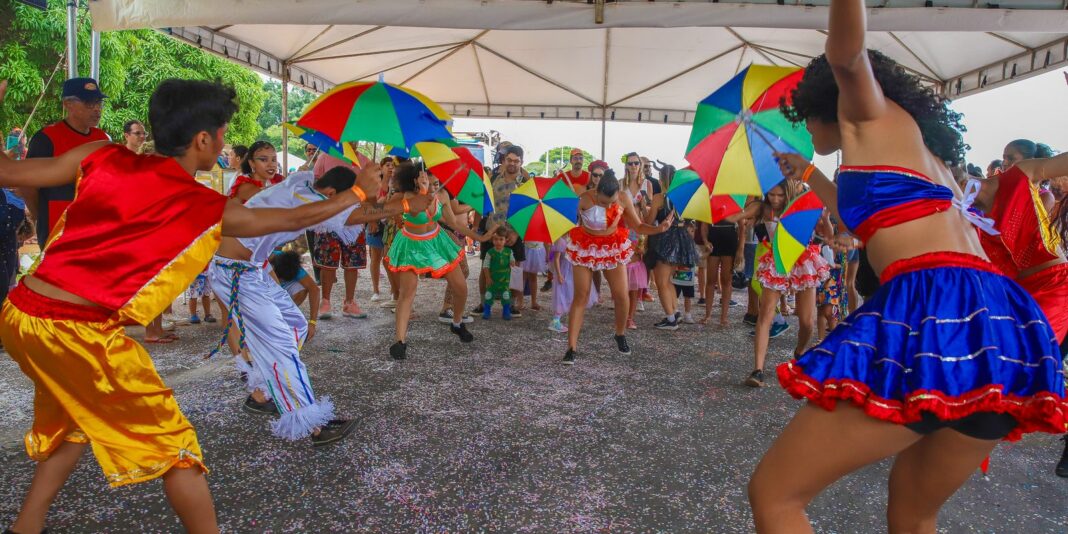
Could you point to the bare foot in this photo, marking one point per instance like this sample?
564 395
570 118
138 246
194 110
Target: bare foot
723 321
535 307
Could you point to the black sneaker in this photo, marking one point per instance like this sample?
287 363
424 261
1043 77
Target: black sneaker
701 301
569 358
477 309
1062 467
547 286
678 316
756 379
259 408
665 324
332 432
621 344
462 333
399 350
516 313
749 319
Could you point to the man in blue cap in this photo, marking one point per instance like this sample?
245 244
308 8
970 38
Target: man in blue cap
82 104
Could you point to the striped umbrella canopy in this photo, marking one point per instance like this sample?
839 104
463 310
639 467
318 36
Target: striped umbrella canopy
376 112
739 127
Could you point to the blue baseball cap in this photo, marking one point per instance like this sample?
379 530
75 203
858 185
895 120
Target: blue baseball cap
84 89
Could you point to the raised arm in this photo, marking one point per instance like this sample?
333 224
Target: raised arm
794 167
1042 169
859 96
45 172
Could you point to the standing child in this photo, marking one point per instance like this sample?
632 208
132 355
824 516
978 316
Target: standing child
685 280
498 269
637 278
199 289
563 284
829 296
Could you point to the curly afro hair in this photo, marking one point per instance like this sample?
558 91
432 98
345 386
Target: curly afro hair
816 97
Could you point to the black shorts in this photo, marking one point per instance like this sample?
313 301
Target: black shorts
723 240
979 425
684 291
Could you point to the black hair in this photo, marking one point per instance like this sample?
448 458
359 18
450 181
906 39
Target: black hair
128 125
239 151
407 175
246 160
974 170
995 164
867 282
609 184
632 155
286 265
180 109
387 159
514 149
1030 149
816 97
340 178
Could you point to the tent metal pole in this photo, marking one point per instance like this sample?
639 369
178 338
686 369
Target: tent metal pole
603 128
94 56
285 119
72 39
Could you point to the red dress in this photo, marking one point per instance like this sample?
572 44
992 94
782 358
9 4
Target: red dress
1026 241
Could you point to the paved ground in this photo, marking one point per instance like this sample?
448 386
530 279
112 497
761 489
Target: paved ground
496 436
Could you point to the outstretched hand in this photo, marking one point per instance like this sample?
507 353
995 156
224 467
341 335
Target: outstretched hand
663 227
791 164
370 180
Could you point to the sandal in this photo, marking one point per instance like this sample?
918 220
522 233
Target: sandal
161 341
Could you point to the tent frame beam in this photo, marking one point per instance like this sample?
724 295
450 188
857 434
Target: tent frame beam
458 47
536 74
337 43
678 75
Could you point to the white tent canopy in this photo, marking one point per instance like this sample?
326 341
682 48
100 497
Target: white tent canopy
627 60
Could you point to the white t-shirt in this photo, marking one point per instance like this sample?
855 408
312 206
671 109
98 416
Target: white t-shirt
296 190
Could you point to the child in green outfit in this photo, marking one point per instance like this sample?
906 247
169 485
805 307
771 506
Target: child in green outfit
498 268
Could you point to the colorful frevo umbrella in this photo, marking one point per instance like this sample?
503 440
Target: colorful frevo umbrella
327 145
376 112
794 231
543 209
693 199
413 152
738 127
460 173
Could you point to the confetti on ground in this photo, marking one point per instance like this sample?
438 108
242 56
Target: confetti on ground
497 436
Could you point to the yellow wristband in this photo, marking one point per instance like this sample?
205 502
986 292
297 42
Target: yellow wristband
808 173
359 193
313 321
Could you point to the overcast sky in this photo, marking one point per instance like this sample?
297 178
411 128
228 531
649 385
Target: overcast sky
1033 108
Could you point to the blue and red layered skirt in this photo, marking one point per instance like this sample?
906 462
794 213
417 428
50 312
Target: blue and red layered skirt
947 334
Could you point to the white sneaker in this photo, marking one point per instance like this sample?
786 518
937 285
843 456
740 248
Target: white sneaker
641 306
376 297
688 319
389 304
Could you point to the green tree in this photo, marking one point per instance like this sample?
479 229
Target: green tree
557 158
132 64
270 118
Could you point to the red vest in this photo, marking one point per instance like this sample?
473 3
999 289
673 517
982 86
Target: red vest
53 200
138 233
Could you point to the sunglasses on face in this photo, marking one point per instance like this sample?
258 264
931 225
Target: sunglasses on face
633 163
597 174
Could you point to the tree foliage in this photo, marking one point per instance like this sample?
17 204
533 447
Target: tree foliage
132 64
558 158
